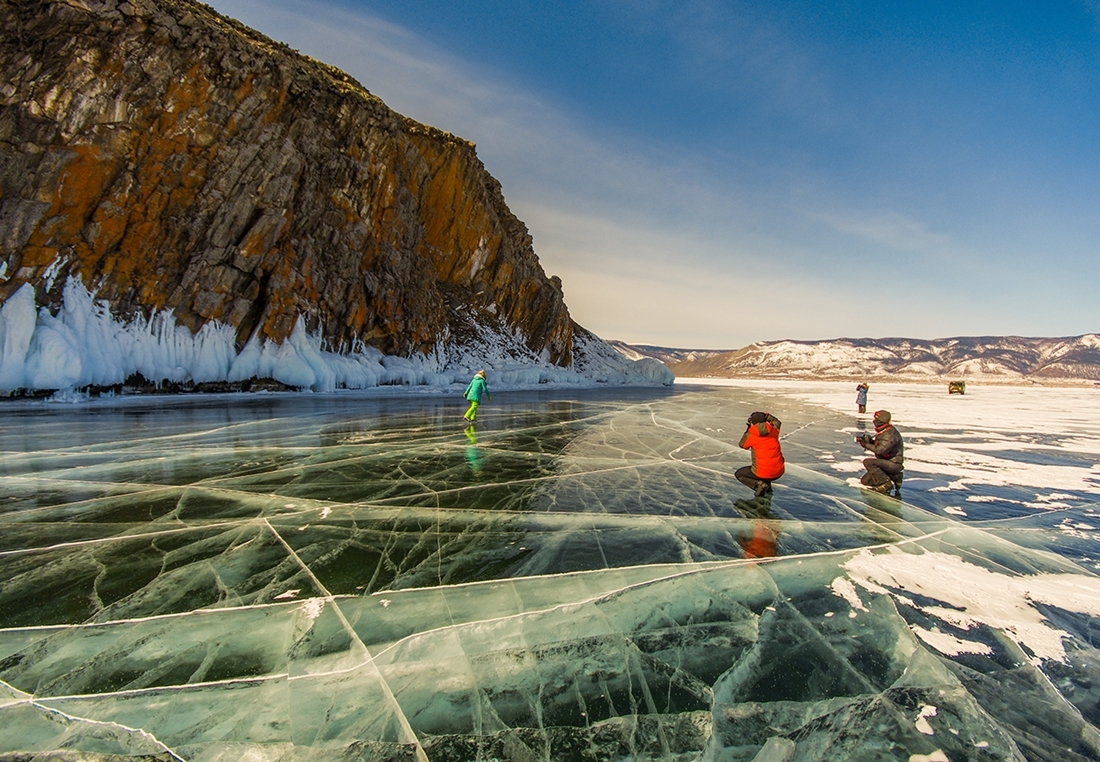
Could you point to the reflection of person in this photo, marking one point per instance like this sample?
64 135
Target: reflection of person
762 438
473 454
763 542
474 392
861 397
885 469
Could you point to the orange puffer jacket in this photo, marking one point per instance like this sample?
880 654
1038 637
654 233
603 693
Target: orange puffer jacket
767 458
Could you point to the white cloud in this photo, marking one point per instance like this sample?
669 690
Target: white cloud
887 228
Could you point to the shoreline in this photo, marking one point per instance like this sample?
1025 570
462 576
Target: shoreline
67 399
267 389
1023 383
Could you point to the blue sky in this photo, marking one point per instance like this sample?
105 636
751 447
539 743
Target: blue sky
707 173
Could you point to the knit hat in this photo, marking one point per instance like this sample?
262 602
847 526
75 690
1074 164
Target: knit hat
882 415
758 417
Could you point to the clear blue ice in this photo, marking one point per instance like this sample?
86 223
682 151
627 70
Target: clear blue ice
579 576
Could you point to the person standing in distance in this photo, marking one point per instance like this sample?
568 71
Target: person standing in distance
861 397
761 437
476 389
883 470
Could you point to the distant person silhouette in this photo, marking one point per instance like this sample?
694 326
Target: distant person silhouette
885 469
761 437
476 389
861 397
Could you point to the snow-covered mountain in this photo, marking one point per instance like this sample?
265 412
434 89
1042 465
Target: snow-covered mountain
1002 359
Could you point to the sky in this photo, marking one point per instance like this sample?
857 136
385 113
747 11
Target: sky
709 173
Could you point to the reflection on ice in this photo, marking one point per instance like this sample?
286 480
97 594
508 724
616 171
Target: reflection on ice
363 578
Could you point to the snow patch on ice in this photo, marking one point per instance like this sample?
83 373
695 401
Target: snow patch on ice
843 588
936 756
949 645
313 607
952 487
847 466
923 725
977 596
962 462
1047 506
1076 529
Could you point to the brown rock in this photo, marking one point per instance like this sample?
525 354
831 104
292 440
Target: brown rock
171 158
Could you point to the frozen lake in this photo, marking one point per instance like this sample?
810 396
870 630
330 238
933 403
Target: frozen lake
360 577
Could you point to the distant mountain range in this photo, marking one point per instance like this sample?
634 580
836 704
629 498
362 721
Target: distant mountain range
989 359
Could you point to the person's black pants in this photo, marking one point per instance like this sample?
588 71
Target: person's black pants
749 479
881 472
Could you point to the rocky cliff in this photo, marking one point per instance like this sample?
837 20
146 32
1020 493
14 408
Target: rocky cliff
175 162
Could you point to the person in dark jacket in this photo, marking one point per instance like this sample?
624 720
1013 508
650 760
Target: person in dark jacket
885 469
762 438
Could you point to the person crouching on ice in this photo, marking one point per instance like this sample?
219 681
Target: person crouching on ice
885 469
474 392
762 438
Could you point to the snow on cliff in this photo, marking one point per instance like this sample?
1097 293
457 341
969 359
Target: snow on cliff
83 345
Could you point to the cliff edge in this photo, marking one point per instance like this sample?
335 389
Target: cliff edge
163 167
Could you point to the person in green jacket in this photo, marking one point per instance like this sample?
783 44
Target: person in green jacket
474 392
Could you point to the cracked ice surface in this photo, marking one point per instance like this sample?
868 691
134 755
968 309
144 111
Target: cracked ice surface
357 577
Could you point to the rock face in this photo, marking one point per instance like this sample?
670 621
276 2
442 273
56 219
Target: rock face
174 160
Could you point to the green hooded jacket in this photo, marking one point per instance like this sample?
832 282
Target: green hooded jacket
477 389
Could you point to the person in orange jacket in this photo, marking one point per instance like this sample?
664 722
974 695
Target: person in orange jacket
762 438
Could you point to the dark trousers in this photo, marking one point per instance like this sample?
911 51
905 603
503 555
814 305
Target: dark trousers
748 478
881 472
